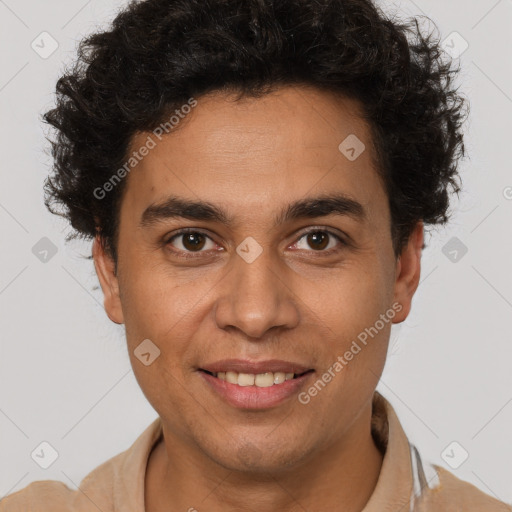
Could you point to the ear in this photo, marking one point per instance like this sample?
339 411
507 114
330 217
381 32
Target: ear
105 269
408 268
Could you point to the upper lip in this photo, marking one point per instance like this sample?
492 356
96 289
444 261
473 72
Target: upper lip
254 367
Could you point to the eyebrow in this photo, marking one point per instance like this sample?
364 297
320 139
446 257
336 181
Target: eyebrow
309 208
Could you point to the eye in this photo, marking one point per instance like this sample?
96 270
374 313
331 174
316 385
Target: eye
319 240
190 241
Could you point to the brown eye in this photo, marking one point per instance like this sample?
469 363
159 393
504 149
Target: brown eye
190 242
318 240
193 241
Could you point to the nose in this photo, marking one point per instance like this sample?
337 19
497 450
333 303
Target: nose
255 297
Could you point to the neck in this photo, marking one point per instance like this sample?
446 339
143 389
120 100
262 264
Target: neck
344 472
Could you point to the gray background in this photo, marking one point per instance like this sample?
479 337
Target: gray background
65 376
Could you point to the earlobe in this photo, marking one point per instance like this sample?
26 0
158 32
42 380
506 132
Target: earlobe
408 269
105 270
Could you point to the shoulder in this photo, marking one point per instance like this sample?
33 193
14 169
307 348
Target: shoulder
114 485
455 495
44 495
94 493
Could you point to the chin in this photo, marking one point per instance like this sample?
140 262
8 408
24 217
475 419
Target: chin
259 458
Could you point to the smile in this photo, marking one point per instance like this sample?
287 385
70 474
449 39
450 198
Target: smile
254 385
260 380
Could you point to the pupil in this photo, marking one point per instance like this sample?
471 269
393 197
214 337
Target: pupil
314 237
196 240
189 239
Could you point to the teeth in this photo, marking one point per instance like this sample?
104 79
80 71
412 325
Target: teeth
280 377
246 379
261 380
232 377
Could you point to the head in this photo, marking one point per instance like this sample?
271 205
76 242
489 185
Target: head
304 148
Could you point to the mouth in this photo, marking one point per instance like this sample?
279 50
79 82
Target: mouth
255 385
260 380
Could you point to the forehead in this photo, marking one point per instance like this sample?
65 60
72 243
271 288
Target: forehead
292 143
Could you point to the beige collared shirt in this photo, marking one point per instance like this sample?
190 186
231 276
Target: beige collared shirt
405 484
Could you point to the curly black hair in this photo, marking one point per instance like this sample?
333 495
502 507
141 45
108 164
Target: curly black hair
157 54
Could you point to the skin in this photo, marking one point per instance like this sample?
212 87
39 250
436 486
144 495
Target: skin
252 158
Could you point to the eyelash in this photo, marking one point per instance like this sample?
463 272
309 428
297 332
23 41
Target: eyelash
191 254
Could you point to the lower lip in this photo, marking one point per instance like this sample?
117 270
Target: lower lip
254 397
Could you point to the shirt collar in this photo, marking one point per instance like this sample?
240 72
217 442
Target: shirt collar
393 492
395 484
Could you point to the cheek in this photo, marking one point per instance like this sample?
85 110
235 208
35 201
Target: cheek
153 300
359 318
355 299
156 309
358 311
168 311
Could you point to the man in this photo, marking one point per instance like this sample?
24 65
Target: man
256 177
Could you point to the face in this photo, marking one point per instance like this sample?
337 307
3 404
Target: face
287 261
